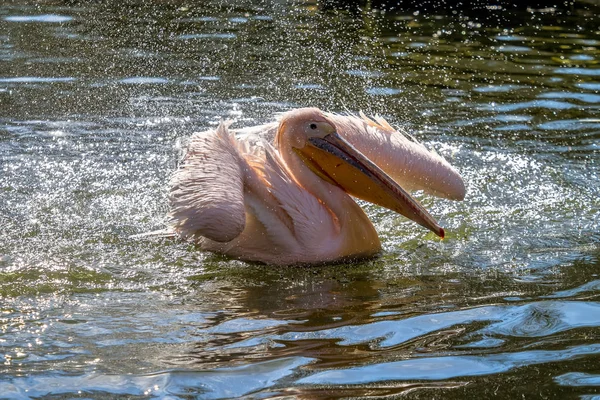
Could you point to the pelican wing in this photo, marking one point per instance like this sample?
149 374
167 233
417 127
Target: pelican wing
207 191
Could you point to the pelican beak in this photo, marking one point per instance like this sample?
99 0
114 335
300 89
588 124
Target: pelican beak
338 162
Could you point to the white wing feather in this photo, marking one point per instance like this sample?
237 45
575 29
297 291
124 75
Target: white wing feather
207 191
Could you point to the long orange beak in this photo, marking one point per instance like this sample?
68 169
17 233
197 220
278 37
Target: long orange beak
340 163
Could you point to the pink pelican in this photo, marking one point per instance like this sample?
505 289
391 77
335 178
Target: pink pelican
290 202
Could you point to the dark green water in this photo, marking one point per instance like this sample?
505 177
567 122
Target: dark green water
93 100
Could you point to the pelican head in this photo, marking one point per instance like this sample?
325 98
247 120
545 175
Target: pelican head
314 139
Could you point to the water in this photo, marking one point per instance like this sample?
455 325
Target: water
93 99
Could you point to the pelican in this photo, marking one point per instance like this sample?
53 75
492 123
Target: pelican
290 201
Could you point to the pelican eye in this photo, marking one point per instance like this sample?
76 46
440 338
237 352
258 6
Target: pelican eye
313 126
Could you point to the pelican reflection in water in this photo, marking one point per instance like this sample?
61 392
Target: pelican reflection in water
290 202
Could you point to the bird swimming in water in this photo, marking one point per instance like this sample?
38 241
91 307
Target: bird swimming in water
290 202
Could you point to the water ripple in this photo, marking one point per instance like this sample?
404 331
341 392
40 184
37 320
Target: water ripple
142 80
439 368
578 71
545 319
571 124
585 97
36 79
592 287
542 104
224 36
210 384
51 18
578 379
393 333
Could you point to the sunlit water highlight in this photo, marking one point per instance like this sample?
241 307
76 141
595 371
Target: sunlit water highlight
94 101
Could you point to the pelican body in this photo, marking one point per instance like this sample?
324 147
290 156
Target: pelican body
290 202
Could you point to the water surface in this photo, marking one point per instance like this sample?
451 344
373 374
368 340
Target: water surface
94 100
